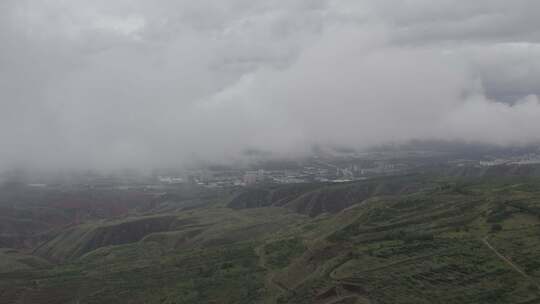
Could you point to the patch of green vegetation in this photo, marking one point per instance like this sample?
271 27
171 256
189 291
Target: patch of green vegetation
13 260
279 253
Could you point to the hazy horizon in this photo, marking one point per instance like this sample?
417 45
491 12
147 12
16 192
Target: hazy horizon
133 83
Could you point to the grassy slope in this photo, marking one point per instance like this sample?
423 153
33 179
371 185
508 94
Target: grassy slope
211 260
425 247
422 248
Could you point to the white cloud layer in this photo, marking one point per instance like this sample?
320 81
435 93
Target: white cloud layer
154 83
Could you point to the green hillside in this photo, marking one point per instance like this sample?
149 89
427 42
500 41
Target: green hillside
410 239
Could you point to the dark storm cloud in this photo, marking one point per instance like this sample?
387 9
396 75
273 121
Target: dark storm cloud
151 83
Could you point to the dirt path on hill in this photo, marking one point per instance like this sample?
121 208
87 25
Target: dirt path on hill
270 281
509 262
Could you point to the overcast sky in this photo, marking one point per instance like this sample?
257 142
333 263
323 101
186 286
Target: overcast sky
121 83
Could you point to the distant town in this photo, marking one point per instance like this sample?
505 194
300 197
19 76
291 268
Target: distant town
324 169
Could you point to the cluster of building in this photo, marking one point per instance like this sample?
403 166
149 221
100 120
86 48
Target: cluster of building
311 172
527 159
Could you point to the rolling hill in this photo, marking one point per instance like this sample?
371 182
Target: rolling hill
407 239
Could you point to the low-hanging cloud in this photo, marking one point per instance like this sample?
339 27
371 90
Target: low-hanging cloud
125 83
